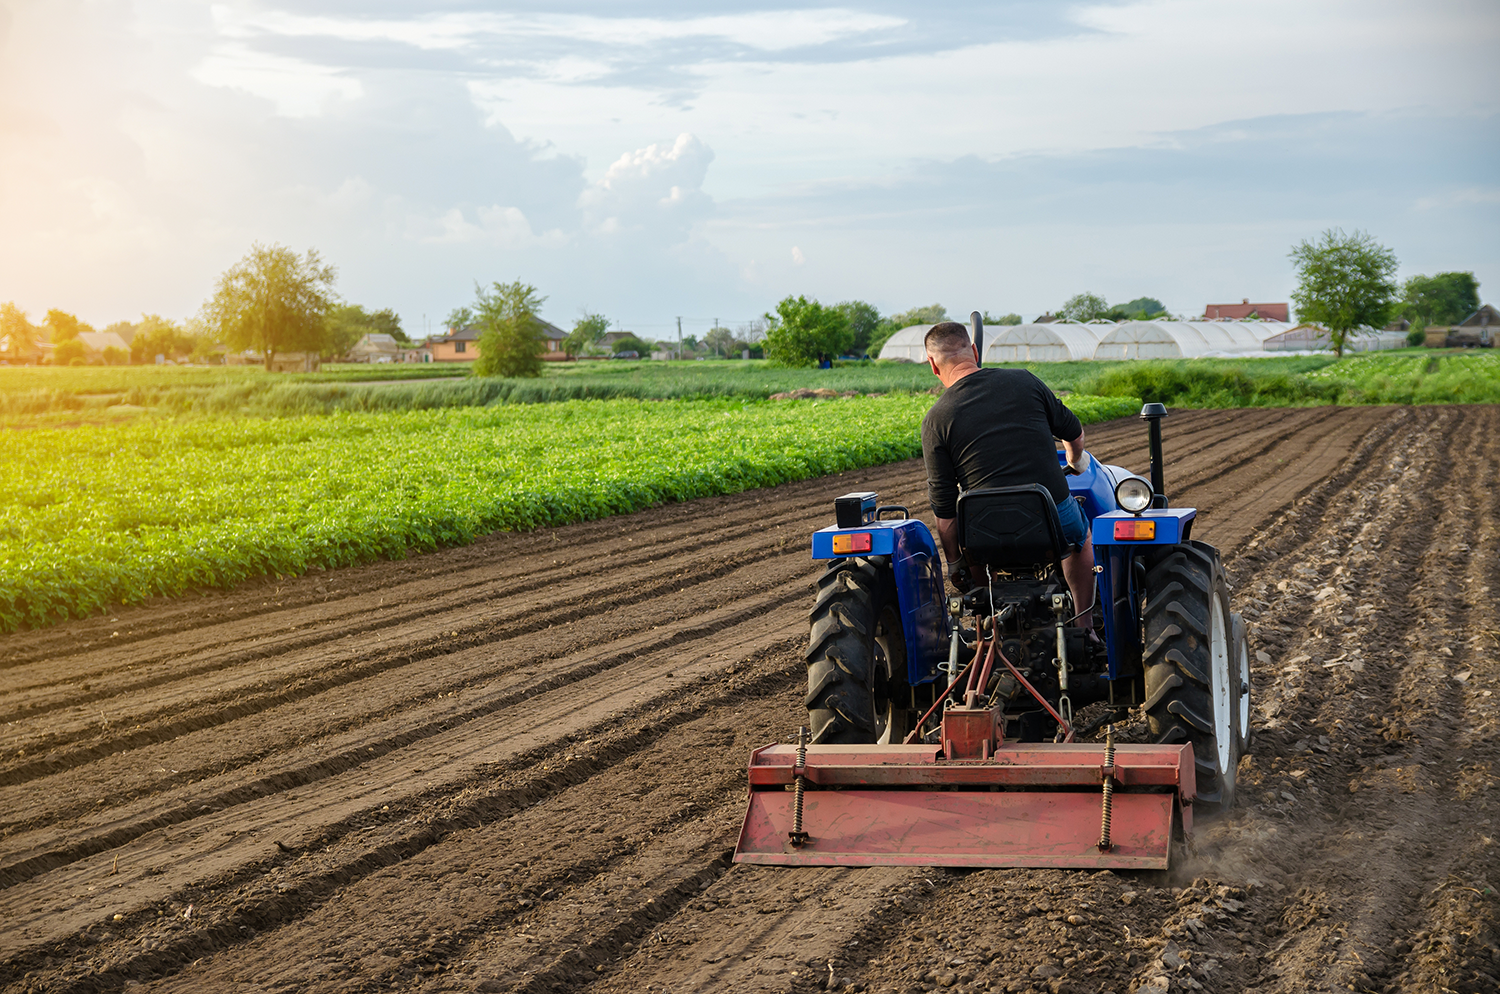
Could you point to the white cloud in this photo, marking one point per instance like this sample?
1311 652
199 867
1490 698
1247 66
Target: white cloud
769 31
297 88
656 187
495 225
797 256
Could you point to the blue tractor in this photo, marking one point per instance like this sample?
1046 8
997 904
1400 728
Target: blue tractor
957 715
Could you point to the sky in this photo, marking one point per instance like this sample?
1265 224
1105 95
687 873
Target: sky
656 160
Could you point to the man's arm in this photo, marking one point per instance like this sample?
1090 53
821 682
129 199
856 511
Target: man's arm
1075 453
948 537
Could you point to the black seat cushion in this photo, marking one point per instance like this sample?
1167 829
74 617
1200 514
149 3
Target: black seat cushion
1010 528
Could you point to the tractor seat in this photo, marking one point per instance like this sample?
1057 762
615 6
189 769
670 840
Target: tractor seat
1013 529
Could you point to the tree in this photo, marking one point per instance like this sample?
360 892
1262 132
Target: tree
17 335
344 325
1344 282
586 333
803 331
721 340
156 336
990 319
388 322
62 326
69 352
863 319
510 333
272 301
629 343
458 319
1083 307
1446 298
115 356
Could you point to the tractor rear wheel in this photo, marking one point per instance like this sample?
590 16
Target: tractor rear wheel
856 657
1192 681
1241 674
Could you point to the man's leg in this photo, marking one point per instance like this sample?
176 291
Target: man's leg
1078 570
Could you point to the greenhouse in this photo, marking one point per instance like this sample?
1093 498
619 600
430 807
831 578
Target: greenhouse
1062 341
906 344
1186 339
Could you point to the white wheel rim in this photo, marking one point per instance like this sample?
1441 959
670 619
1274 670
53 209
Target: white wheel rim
1244 690
1218 648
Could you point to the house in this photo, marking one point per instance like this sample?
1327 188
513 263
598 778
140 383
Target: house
18 353
1478 330
1244 309
296 362
374 347
462 344
96 342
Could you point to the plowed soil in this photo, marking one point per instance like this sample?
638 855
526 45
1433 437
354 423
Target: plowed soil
519 765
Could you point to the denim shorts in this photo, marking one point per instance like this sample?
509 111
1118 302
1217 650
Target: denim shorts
1074 529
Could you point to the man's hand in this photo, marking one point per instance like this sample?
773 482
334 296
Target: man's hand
958 575
1077 465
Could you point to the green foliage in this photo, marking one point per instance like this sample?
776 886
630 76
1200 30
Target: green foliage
17 334
62 326
1083 307
863 320
630 343
722 341
804 330
115 356
1147 307
931 314
1004 319
510 339
459 318
1344 282
1417 336
272 301
1444 299
586 333
116 514
346 324
69 352
156 336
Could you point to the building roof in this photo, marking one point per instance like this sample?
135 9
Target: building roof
1481 318
1186 339
1054 341
470 333
1245 309
98 341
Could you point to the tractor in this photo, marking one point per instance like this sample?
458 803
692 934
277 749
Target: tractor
947 724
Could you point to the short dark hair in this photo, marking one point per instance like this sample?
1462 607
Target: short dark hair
947 341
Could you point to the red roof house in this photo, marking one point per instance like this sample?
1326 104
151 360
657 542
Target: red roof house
1245 309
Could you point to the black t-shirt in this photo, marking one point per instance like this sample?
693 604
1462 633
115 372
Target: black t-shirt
994 428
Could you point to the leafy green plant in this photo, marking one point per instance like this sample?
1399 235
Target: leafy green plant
108 514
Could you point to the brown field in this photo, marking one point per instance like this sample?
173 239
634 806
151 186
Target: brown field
519 765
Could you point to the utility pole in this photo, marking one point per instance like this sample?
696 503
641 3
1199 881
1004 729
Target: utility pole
679 338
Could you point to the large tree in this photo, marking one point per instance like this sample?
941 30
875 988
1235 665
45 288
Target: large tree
1344 283
510 333
1084 307
273 300
1446 298
587 332
62 326
156 336
863 320
803 331
721 340
17 334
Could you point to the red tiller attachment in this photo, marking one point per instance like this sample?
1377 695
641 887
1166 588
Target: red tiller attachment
1003 805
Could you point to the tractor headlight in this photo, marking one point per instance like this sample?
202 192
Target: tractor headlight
1133 494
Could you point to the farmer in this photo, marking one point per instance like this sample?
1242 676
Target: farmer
994 428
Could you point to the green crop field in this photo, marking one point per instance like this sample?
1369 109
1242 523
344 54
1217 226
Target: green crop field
117 513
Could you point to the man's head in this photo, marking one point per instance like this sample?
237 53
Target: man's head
948 345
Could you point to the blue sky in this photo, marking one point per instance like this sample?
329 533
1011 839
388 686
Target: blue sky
650 160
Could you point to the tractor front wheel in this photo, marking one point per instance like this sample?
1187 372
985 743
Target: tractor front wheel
1192 679
856 657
